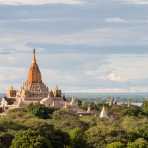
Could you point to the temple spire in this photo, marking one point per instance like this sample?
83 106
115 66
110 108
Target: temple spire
34 56
34 75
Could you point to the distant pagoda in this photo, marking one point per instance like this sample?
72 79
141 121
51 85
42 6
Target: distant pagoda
33 88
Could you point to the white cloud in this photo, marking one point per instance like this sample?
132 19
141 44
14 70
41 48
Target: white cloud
99 90
137 2
88 76
138 89
38 2
115 20
129 67
115 77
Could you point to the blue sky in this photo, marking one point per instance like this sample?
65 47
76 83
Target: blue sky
82 45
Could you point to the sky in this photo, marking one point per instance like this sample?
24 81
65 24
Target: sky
82 45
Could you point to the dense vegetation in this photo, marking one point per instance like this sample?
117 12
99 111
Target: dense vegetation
37 126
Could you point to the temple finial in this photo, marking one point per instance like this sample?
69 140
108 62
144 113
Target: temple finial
34 56
34 51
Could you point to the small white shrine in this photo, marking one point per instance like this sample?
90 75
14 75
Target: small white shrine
4 104
103 113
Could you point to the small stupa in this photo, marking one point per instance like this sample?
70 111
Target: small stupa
103 113
129 103
72 101
65 105
89 109
53 103
4 104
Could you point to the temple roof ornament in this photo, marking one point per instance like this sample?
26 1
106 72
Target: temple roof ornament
11 88
34 56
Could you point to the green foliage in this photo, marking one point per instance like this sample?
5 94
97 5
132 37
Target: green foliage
116 145
8 124
133 111
58 138
145 107
92 105
65 129
77 138
6 139
85 105
143 130
79 103
139 143
40 111
67 120
105 132
123 110
135 127
89 119
30 139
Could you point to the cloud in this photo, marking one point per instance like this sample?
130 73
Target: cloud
115 20
99 90
140 89
38 2
115 77
93 48
77 72
129 67
137 2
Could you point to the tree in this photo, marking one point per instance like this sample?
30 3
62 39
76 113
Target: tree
79 103
139 143
67 120
96 136
85 105
30 139
145 107
6 139
77 138
134 111
142 130
93 106
39 111
116 145
58 138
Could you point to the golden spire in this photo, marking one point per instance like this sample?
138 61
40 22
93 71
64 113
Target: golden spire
34 75
34 56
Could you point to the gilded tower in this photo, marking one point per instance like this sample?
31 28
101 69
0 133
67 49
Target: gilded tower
33 89
34 74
